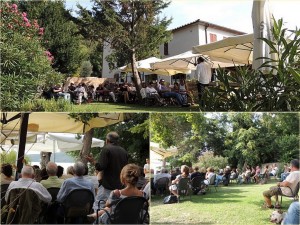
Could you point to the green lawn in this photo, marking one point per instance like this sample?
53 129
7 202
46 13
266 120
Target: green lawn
119 107
235 204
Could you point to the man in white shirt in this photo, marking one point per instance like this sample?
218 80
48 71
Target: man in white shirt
203 75
27 181
284 187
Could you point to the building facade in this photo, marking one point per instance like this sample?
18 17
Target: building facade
183 39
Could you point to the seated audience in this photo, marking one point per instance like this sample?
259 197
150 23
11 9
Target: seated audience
183 89
152 92
60 171
196 172
184 174
129 178
166 93
175 173
256 175
77 182
274 170
53 180
285 173
163 173
285 187
70 173
6 173
27 182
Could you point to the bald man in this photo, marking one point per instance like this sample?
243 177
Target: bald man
27 181
53 180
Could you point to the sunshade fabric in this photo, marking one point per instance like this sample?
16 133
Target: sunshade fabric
188 60
237 49
155 147
60 122
53 142
145 66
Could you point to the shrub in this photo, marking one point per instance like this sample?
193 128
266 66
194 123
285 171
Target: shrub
43 105
25 65
209 160
86 69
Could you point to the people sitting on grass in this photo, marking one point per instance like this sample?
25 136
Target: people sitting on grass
284 187
184 174
129 177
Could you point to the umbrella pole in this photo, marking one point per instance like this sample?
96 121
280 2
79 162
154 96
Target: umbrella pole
22 143
54 149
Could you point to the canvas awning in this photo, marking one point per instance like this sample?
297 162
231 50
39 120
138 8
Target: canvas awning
188 60
145 66
164 153
57 122
237 49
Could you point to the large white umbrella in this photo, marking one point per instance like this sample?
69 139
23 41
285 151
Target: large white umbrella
163 152
145 66
188 60
262 25
236 49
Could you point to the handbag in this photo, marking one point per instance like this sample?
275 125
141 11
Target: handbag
170 199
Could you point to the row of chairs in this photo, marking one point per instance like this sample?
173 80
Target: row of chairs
24 207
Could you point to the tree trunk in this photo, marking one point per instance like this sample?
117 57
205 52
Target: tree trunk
136 76
45 158
87 143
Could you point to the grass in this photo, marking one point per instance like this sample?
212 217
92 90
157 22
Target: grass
119 107
235 204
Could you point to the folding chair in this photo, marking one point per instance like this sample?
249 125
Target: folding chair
24 206
162 184
212 182
77 205
129 210
197 184
51 211
183 187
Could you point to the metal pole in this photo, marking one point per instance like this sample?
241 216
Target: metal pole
22 142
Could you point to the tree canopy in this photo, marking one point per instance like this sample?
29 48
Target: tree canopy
133 29
252 138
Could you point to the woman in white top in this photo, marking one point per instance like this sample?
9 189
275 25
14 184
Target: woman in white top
183 88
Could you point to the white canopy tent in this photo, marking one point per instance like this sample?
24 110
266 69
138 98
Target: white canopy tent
188 60
145 66
237 49
164 153
51 142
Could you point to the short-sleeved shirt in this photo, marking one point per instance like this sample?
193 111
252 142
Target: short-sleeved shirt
293 179
147 167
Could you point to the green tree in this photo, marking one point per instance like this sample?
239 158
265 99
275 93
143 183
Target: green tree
86 69
61 33
25 64
132 28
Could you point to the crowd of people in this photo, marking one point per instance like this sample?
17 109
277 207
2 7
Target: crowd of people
161 93
114 179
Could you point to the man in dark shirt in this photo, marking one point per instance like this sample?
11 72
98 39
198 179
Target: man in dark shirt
111 161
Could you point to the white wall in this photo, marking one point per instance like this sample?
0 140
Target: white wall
106 73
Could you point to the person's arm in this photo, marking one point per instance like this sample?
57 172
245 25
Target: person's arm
284 184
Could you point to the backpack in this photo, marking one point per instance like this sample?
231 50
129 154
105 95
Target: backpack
170 199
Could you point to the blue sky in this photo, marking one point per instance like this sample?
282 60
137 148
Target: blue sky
235 14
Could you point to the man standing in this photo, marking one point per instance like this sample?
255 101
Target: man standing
53 180
203 75
286 186
111 161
